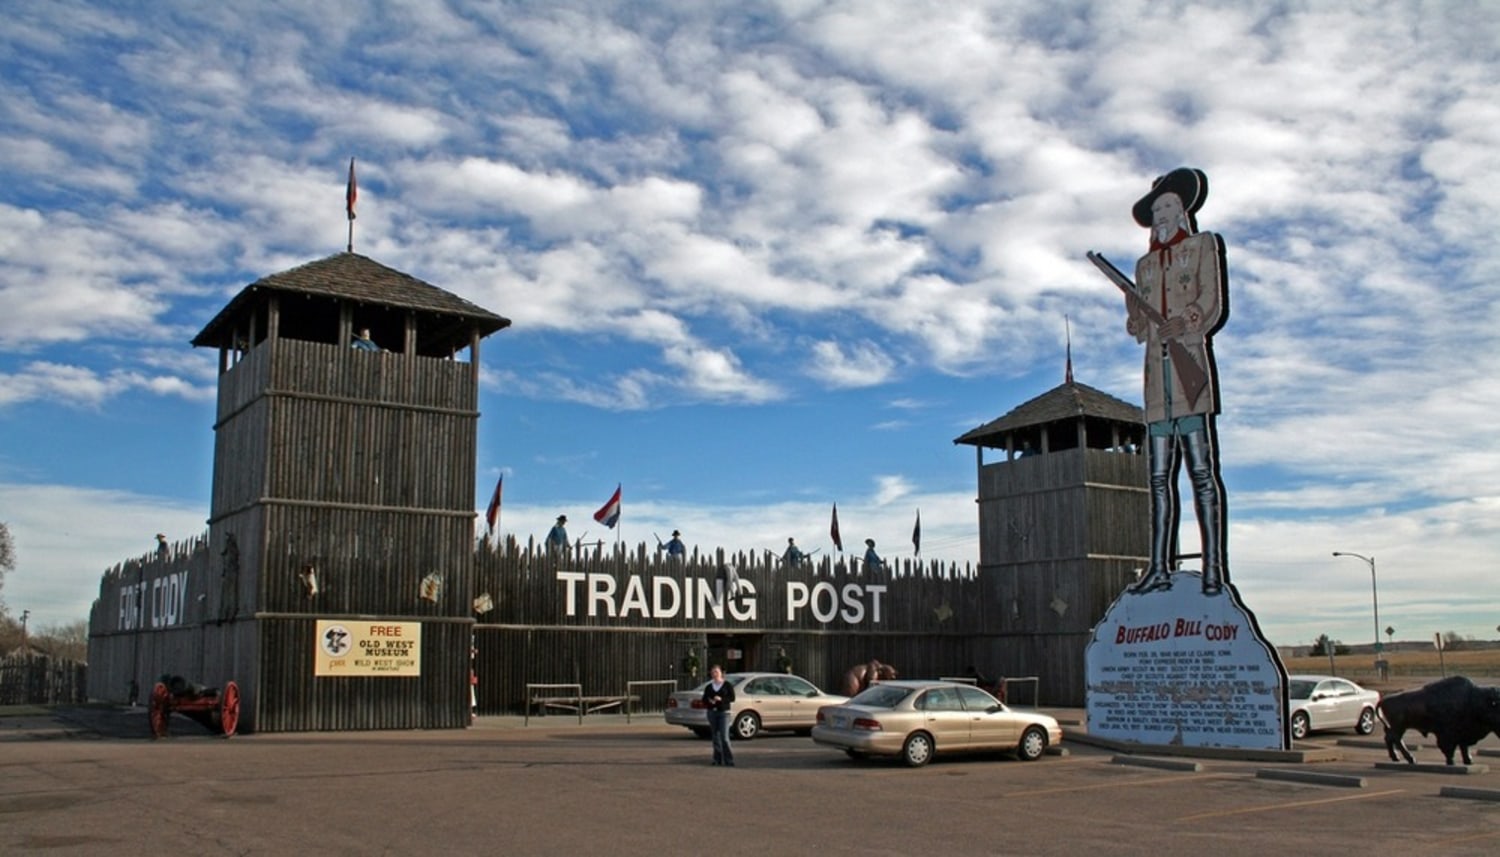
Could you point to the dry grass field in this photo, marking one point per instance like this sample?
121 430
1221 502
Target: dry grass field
1407 668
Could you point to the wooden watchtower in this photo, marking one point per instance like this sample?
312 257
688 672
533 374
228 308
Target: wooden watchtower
1064 523
343 488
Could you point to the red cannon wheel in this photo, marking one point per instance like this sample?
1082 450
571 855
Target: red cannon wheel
160 711
229 709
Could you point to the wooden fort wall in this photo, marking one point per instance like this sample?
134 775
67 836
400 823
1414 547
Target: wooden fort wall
1061 535
598 618
604 617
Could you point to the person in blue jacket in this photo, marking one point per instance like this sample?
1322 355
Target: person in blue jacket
557 537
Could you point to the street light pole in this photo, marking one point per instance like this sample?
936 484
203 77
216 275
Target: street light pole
1374 595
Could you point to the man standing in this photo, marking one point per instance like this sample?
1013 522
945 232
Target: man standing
1181 300
793 555
675 548
557 537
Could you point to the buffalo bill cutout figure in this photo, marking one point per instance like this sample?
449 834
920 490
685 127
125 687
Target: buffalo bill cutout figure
1178 301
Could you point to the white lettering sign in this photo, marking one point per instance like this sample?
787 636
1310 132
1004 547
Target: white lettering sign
823 599
160 602
598 595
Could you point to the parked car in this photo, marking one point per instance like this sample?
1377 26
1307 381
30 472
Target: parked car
916 720
762 701
1319 702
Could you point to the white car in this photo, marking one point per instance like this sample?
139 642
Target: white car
762 701
1319 702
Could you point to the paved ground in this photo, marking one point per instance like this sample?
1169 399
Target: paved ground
89 782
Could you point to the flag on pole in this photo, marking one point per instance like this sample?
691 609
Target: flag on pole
492 514
916 534
609 513
351 191
833 529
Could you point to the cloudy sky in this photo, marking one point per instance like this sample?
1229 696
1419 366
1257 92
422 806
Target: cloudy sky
762 257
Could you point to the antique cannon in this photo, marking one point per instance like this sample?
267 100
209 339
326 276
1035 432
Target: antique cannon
218 710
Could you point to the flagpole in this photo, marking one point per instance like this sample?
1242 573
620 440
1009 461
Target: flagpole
351 194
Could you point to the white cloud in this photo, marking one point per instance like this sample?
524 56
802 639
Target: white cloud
862 364
82 387
66 537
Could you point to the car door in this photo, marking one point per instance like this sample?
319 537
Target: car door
945 718
988 728
803 702
764 695
1323 705
1344 705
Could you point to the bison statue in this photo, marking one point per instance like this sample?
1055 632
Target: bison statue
1454 710
861 676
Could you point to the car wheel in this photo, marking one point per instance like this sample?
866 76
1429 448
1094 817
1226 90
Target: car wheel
917 751
1300 726
1033 744
746 726
1366 723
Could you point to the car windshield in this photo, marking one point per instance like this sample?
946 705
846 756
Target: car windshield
1300 688
881 696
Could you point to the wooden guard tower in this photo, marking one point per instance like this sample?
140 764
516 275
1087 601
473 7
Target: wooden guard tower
343 478
1064 522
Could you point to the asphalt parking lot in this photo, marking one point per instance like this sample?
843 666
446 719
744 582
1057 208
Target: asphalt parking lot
88 781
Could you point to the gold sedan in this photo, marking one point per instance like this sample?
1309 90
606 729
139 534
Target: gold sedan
916 720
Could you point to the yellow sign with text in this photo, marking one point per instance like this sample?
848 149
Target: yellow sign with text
392 649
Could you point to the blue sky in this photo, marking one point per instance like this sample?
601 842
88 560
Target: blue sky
767 256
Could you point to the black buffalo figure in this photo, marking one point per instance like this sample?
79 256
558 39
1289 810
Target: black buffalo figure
1457 712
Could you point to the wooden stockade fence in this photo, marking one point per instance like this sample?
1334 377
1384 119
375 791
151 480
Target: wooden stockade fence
617 621
34 678
606 617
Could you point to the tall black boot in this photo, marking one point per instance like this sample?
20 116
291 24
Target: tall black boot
1165 457
1208 504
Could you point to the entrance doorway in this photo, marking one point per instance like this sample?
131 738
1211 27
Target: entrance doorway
734 652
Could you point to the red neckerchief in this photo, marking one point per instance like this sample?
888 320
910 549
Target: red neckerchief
1177 238
1163 251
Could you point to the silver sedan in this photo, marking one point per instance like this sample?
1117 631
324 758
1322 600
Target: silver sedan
762 702
1320 702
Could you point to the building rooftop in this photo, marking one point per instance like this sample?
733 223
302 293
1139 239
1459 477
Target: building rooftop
355 278
1071 400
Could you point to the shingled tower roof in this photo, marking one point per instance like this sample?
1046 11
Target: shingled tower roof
356 278
1070 400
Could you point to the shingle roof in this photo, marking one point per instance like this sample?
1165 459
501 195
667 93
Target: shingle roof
351 276
1070 400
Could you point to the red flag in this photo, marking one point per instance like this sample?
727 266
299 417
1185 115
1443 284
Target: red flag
833 529
609 513
492 514
351 191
